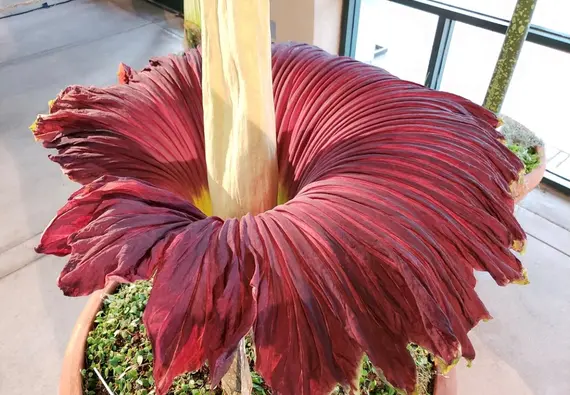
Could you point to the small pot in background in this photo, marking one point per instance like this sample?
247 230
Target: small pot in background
532 179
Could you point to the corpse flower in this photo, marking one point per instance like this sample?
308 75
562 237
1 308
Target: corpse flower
390 196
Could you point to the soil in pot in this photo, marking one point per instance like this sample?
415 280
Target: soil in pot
119 348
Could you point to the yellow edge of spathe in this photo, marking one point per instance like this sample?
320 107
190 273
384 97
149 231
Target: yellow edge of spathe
524 280
519 246
282 195
204 202
443 368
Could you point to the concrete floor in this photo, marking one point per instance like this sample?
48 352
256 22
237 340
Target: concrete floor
525 350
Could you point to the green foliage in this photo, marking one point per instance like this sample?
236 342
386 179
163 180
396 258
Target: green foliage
372 383
522 141
528 156
119 348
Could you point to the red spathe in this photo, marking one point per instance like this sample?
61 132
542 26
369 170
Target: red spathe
397 193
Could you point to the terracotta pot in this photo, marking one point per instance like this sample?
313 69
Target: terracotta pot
71 381
446 385
532 179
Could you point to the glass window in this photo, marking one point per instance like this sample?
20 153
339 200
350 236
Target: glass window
497 8
538 94
553 14
396 38
473 53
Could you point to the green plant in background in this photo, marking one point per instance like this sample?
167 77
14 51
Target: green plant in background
514 40
522 141
519 139
528 156
119 348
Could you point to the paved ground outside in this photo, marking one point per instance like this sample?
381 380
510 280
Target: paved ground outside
525 350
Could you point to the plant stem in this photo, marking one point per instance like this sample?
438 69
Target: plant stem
239 123
237 381
192 23
512 45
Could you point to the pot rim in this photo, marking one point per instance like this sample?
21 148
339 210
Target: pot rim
70 380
